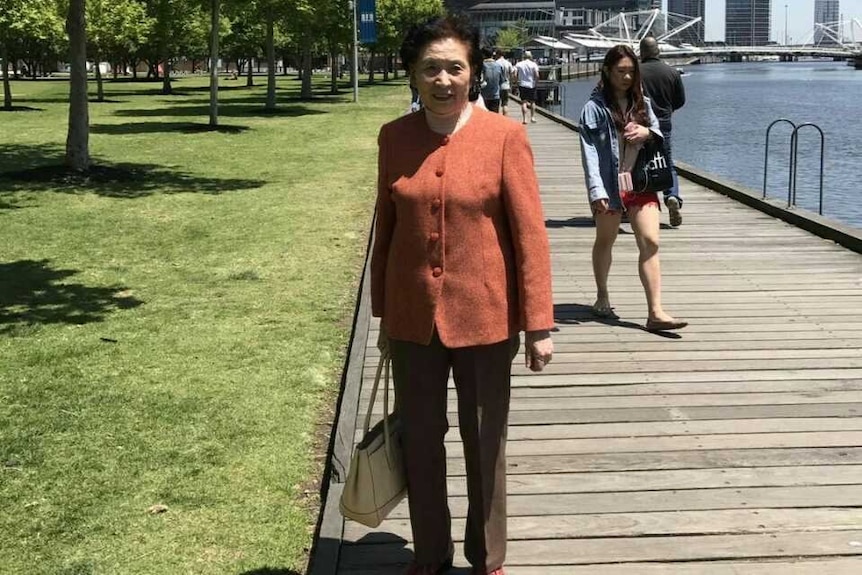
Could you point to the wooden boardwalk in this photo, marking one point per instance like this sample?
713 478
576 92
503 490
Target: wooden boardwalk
732 448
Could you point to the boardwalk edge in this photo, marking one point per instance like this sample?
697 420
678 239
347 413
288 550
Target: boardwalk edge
326 547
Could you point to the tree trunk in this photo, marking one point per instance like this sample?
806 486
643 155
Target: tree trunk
284 64
333 67
7 88
114 67
77 139
386 56
214 30
306 92
249 75
100 90
167 89
371 67
270 63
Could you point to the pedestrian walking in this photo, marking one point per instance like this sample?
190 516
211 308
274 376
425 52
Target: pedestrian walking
663 85
506 84
528 79
614 124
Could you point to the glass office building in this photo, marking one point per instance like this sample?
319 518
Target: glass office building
747 22
693 9
825 12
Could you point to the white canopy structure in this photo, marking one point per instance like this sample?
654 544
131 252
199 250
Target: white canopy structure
553 43
631 27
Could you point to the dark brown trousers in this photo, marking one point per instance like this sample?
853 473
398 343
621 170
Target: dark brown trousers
482 380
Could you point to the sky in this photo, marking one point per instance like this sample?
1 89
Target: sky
800 18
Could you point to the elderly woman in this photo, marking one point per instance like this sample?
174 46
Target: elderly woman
460 266
615 123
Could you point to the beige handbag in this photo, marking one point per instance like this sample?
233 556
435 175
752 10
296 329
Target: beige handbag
376 481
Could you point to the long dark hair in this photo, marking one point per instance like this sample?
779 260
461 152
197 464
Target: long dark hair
637 111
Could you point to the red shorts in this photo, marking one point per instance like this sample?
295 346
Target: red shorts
634 200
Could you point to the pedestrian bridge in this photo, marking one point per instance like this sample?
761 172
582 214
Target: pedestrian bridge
670 29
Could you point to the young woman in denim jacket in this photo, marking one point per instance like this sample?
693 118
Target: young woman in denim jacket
615 123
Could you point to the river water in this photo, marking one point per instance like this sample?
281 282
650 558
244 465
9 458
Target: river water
722 128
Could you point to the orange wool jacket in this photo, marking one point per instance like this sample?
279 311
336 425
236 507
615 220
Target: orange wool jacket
460 241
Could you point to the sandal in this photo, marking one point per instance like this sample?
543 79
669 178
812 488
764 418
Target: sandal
603 311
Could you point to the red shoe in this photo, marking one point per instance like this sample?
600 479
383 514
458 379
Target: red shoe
498 571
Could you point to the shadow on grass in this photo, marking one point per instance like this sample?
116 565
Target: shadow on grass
45 171
161 127
4 205
225 110
34 293
22 108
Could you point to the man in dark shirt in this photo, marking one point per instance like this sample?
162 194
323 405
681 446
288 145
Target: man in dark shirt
663 85
492 79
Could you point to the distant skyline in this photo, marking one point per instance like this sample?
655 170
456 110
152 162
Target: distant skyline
800 18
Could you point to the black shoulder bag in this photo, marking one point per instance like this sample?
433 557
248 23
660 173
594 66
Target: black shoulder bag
652 170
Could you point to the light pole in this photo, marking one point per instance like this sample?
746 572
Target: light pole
785 24
354 71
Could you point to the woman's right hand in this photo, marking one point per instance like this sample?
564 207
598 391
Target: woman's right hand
383 341
600 206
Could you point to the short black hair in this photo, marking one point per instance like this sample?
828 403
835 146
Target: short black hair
457 26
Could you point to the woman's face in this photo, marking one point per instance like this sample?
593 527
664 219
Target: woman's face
442 76
622 74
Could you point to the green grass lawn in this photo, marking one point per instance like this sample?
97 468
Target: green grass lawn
172 331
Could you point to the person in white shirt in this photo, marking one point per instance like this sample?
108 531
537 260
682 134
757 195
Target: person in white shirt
528 77
505 86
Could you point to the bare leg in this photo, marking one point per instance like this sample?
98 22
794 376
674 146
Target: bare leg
532 111
523 111
607 228
645 225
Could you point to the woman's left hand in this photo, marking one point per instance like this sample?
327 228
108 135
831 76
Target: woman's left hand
539 349
635 133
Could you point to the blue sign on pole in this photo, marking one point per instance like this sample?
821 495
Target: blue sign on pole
368 21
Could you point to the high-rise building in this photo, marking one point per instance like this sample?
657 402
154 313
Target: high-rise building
747 22
693 8
825 12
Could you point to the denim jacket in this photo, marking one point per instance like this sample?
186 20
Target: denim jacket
600 150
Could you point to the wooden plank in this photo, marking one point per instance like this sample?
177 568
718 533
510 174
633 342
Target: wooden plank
670 500
678 427
676 443
675 400
649 460
696 388
787 476
711 522
638 549
818 566
798 341
684 427
679 413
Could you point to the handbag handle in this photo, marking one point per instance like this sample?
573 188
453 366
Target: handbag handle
382 368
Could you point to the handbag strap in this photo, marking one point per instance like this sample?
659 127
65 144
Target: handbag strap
382 366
